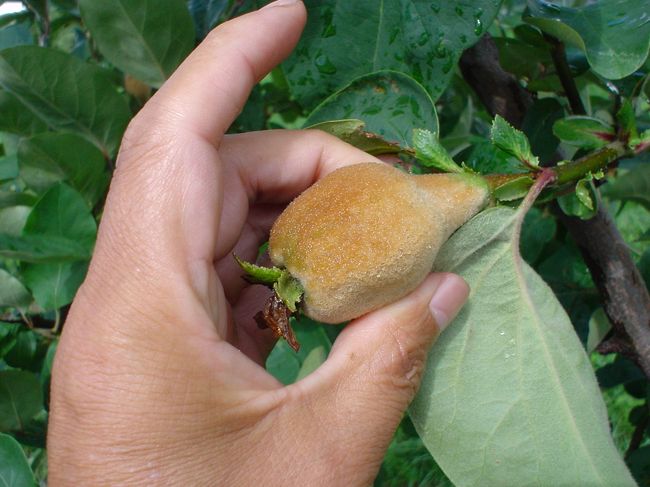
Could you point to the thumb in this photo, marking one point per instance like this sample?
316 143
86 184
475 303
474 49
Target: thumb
376 364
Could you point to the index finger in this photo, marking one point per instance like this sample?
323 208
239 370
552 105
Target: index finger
207 92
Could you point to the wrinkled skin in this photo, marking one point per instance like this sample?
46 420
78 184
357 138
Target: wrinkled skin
158 379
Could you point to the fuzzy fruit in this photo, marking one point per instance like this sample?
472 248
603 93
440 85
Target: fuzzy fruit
367 235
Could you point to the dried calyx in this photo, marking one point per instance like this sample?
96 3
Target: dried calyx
360 238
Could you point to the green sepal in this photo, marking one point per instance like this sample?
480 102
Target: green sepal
258 274
289 290
513 141
430 153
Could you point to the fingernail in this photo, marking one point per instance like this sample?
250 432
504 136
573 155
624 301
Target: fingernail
448 298
281 3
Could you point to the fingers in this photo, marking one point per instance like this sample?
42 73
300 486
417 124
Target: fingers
376 364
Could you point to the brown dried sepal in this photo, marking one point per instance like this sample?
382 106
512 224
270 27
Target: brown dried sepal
275 316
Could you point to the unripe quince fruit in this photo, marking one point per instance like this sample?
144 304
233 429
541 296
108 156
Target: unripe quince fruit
368 234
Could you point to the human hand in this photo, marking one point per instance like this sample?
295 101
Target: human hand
159 375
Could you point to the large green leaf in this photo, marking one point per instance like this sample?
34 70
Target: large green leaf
54 285
145 38
422 38
614 34
206 14
37 248
14 469
49 158
509 396
16 118
20 399
12 291
64 94
62 213
391 104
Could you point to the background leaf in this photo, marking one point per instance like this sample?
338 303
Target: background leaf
12 291
146 38
391 104
206 14
14 469
344 40
16 118
62 213
20 399
49 158
633 185
509 396
614 34
65 94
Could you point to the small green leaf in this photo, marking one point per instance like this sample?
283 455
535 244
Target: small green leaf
581 203
584 192
12 291
584 132
14 468
20 399
430 153
352 131
513 190
259 274
289 290
512 141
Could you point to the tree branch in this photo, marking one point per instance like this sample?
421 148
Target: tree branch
625 297
558 54
498 90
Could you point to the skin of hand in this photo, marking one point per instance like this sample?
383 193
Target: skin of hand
159 377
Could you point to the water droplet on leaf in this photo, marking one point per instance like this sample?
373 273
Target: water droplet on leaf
478 27
324 65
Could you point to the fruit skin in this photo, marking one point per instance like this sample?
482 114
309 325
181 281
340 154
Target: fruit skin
367 234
